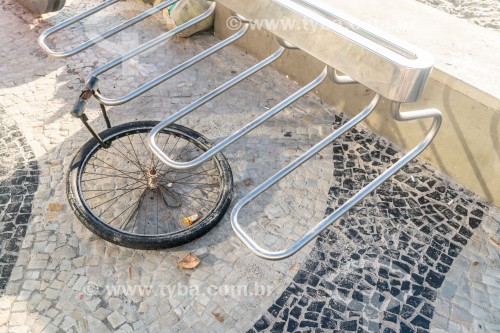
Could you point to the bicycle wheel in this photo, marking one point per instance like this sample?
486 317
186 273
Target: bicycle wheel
125 195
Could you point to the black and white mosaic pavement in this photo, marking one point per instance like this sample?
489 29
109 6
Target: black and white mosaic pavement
378 269
18 183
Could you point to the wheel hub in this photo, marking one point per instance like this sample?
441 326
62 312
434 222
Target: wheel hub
152 176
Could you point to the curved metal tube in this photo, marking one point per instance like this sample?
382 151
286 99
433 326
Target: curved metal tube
340 79
171 73
229 140
144 47
99 38
208 97
385 64
311 234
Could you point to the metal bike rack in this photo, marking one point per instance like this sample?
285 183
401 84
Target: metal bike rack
389 67
315 231
99 38
242 131
92 83
153 83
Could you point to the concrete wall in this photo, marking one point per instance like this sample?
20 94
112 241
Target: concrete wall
468 145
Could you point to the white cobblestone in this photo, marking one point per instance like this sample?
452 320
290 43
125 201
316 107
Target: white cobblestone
82 280
57 243
101 313
116 319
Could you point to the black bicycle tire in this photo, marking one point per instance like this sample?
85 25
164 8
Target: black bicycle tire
147 242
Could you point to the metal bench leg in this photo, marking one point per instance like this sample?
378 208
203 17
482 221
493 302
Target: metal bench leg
99 38
232 138
315 231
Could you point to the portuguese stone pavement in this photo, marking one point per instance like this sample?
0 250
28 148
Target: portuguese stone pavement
420 254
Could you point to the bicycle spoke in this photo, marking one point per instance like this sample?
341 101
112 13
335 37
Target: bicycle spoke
168 222
125 158
106 167
203 191
163 149
145 217
177 157
157 212
184 172
189 196
133 149
183 214
110 191
150 154
144 194
106 176
137 162
187 177
132 205
118 197
131 190
120 171
184 183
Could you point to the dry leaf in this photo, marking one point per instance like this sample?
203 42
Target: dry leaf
54 207
190 261
218 316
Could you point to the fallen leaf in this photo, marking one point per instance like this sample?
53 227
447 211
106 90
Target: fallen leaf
218 316
54 207
189 262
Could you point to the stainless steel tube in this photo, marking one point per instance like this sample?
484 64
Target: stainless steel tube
99 38
340 79
211 95
150 44
162 78
388 66
311 234
229 140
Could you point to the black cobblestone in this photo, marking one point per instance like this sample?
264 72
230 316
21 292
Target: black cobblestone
397 245
17 188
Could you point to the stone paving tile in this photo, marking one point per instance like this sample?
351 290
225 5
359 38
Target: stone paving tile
395 261
63 271
18 183
67 279
470 300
